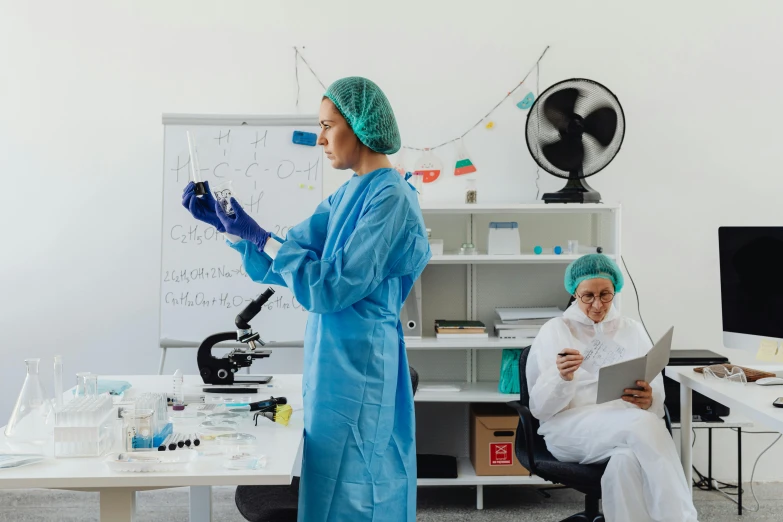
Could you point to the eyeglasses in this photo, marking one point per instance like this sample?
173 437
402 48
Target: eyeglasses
605 297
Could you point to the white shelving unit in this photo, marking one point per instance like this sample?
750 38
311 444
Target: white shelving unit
470 287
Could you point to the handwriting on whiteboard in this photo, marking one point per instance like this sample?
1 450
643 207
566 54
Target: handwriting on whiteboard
602 352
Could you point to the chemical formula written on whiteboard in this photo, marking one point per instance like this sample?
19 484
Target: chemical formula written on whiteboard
225 300
216 161
191 275
200 234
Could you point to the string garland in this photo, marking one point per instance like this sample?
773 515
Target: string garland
535 66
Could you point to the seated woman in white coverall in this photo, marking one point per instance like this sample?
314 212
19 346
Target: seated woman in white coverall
644 478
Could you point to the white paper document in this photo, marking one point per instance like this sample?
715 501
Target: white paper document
614 379
602 352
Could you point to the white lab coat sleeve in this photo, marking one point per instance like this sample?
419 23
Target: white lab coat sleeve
658 396
549 393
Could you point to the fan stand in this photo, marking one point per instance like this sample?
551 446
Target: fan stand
576 191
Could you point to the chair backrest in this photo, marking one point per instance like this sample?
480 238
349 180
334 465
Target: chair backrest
524 394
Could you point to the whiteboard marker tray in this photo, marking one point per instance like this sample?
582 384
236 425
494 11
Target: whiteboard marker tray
150 461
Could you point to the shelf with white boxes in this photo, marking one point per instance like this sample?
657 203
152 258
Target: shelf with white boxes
455 373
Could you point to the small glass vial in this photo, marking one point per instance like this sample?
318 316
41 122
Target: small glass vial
223 194
471 194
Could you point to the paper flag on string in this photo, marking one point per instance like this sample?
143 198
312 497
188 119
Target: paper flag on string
463 165
523 98
399 162
428 167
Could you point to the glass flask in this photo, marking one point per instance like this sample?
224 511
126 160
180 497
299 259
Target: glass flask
31 420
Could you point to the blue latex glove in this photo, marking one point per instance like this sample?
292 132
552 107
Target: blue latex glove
202 208
242 225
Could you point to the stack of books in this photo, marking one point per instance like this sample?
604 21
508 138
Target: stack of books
523 324
460 329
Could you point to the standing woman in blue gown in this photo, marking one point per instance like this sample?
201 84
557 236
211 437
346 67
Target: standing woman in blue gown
351 265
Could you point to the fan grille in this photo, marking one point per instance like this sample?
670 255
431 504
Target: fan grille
541 132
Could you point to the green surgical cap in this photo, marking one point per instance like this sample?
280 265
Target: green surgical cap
593 266
367 111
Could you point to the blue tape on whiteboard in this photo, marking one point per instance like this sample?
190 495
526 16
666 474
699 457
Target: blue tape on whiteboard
305 138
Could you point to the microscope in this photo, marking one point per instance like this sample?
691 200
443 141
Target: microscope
223 370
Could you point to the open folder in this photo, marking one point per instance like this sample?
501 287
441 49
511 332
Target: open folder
614 379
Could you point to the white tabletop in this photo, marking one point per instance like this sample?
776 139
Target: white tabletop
279 443
750 400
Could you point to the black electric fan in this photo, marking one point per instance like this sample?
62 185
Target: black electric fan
574 129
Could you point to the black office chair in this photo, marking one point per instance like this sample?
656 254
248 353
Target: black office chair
279 503
532 453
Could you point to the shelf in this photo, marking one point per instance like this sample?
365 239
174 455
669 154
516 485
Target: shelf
510 208
493 343
457 259
731 421
466 476
470 392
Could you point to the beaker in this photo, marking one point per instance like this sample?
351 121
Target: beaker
223 194
137 429
85 386
31 419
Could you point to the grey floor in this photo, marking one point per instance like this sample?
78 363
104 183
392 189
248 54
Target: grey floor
435 505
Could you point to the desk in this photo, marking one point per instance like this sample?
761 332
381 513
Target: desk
749 400
117 491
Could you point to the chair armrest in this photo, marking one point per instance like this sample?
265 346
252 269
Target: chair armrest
526 424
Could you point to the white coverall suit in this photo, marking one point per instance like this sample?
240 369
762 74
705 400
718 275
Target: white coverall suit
644 480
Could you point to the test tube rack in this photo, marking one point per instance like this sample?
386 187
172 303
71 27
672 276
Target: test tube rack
83 427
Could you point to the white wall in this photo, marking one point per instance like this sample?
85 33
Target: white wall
85 84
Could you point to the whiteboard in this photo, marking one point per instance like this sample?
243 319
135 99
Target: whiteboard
203 284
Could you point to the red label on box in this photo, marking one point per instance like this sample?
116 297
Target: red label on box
501 454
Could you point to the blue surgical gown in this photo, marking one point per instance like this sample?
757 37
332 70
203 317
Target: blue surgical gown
352 265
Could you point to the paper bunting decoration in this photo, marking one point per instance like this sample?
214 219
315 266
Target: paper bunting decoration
428 167
463 165
399 162
523 97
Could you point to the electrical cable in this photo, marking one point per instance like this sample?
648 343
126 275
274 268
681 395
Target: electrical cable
638 303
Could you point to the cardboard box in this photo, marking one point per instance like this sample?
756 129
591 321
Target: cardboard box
493 429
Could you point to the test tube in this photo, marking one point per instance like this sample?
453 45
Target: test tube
58 381
195 167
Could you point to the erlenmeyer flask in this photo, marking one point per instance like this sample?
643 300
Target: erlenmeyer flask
31 419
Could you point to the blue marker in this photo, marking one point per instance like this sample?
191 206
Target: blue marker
305 138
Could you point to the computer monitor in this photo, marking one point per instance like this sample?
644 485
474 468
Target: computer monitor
751 284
